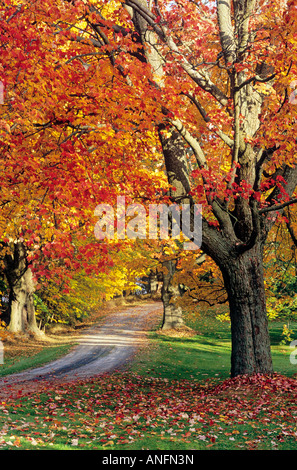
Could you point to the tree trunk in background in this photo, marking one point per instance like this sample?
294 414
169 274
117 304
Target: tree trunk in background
21 285
175 158
172 313
155 283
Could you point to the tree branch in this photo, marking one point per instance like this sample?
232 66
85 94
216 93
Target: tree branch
201 78
278 207
207 119
194 144
226 31
147 16
256 78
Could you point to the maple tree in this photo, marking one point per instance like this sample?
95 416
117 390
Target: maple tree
227 101
63 151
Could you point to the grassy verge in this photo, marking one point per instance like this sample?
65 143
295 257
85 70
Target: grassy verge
31 359
176 396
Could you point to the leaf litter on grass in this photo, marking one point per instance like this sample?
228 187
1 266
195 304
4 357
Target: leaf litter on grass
125 410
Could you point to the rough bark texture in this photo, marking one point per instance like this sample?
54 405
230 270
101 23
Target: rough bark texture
249 326
21 286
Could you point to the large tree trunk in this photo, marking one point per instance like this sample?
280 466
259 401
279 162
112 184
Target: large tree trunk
172 313
21 285
249 326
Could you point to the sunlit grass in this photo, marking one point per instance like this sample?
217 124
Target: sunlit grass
208 354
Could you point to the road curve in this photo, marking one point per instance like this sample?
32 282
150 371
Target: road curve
100 349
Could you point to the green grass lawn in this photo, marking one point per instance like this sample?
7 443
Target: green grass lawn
13 365
177 395
207 355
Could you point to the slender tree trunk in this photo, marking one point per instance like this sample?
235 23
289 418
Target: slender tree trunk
249 326
175 158
154 281
21 285
177 172
172 313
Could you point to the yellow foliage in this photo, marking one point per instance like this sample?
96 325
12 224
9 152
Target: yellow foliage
286 334
224 317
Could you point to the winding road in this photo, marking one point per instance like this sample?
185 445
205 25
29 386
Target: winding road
100 349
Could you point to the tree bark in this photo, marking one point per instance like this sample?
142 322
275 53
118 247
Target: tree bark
178 177
175 158
250 339
21 285
172 313
155 282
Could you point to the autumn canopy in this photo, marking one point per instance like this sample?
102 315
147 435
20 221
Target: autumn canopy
186 102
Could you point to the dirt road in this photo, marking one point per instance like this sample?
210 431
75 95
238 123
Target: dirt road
100 349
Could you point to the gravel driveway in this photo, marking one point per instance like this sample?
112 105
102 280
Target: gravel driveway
99 350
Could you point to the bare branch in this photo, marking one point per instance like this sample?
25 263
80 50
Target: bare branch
200 77
278 207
